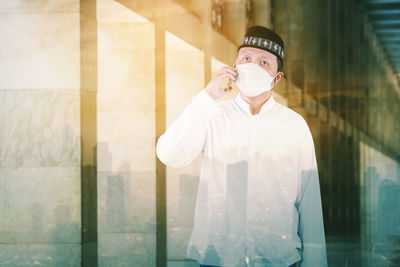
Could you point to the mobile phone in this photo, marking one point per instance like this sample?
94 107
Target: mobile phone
230 80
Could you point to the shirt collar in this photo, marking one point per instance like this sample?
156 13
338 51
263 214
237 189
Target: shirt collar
246 107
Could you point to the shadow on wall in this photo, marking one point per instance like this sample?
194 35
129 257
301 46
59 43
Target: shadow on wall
382 197
65 228
126 205
180 212
52 249
388 238
115 207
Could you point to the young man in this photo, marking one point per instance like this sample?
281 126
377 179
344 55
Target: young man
258 202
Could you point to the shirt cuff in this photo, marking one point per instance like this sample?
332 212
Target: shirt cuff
203 98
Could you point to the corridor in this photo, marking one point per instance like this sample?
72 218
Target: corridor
88 86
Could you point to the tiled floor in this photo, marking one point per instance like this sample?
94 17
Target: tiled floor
345 252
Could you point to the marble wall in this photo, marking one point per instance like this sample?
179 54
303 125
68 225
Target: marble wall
40 207
126 137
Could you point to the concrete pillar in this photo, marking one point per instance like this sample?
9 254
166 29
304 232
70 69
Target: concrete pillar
322 56
295 55
88 134
234 20
288 22
279 19
262 13
311 48
160 97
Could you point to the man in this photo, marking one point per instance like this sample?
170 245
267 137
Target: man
258 202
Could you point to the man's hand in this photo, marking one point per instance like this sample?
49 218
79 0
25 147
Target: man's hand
214 88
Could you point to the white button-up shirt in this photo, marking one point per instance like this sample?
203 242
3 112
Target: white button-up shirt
258 201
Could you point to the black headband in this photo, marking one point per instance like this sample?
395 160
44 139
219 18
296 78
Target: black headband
265 39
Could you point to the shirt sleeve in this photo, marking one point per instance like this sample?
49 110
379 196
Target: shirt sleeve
308 203
183 141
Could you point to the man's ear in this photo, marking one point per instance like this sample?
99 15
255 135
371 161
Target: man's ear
278 77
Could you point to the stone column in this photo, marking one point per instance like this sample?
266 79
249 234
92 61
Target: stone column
88 135
160 97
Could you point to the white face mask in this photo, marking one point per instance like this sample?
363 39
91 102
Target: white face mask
253 80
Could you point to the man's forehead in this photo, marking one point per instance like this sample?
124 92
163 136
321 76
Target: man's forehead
256 51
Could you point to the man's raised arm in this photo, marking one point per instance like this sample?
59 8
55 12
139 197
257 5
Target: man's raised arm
185 138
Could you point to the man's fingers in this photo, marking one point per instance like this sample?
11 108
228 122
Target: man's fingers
214 88
231 71
225 74
232 77
227 70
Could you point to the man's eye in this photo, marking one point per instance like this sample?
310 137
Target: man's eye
263 62
246 58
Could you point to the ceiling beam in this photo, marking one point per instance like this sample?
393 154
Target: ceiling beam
390 16
383 6
387 26
388 35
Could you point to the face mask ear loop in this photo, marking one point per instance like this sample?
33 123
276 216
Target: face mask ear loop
275 77
273 80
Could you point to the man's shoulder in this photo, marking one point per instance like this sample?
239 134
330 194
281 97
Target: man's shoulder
289 113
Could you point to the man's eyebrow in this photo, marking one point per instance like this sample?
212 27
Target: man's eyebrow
267 57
